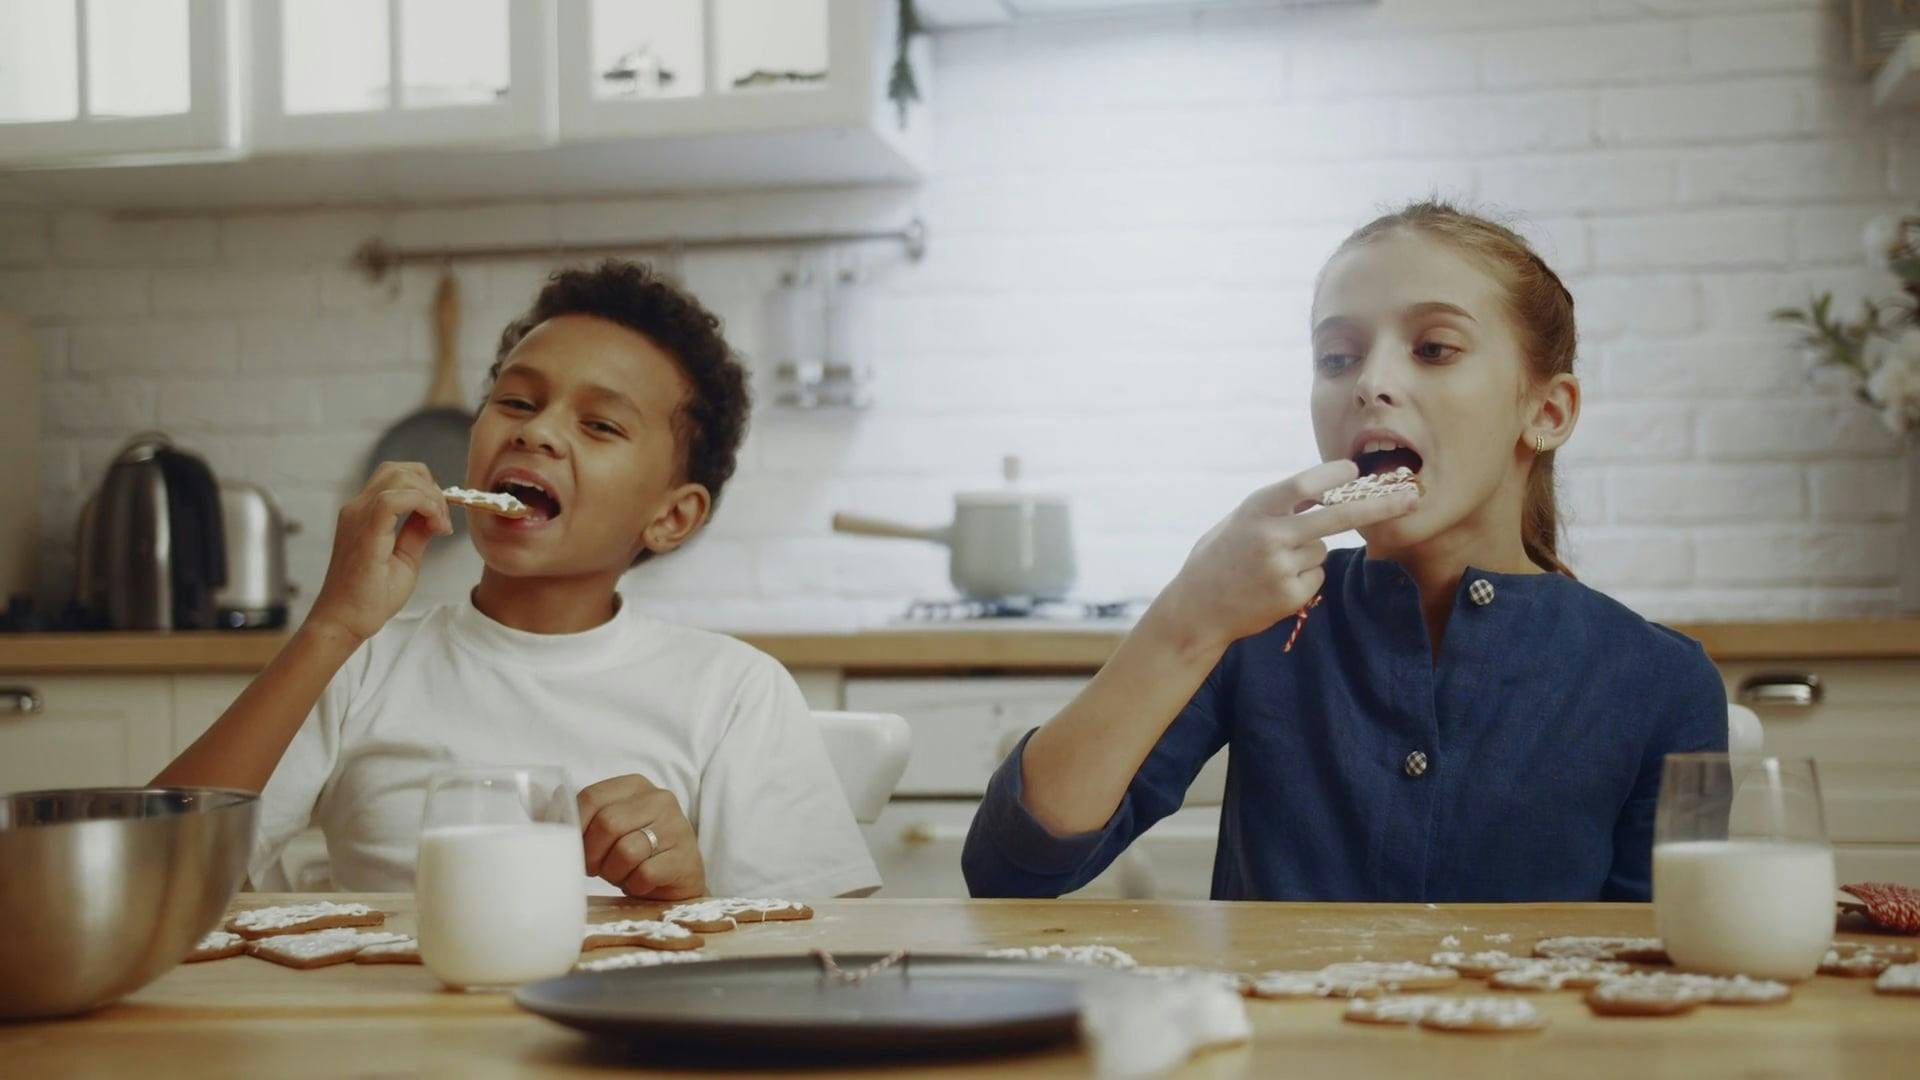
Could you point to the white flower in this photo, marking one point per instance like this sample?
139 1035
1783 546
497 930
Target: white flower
1893 378
1884 236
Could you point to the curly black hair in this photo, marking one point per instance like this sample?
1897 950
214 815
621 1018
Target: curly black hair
710 423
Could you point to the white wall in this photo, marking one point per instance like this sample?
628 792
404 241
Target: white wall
1127 215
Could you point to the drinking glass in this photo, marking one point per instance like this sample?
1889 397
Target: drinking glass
1743 879
500 885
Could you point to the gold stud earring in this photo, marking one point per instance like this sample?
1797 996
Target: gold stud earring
1539 444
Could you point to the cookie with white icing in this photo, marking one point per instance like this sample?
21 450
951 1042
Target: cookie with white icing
646 933
320 948
217 945
282 919
1093 955
1400 481
1633 950
404 951
1862 960
494 502
717 916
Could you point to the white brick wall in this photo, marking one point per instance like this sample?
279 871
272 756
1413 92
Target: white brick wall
1127 217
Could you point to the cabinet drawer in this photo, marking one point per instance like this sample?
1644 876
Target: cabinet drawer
1864 736
917 843
87 731
964 728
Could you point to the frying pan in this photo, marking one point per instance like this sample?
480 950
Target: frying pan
436 433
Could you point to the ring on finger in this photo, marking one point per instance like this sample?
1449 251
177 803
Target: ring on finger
653 839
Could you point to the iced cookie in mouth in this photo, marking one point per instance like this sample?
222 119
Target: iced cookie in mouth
1374 486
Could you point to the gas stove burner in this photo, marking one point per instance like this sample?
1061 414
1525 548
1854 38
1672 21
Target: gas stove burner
1025 608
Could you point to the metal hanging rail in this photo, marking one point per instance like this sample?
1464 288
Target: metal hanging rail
376 259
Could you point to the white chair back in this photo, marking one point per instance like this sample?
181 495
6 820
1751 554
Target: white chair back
869 753
1744 734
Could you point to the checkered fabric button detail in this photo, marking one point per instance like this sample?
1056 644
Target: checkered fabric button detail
1416 763
1480 592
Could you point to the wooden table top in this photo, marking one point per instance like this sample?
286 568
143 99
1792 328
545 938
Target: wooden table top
935 650
246 1017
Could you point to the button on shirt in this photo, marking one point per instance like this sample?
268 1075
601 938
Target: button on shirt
1521 763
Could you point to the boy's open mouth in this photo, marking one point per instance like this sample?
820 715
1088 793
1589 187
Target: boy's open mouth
538 499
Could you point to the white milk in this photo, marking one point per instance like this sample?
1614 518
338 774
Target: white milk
500 904
1744 907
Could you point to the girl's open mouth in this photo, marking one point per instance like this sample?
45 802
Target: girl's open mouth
1384 461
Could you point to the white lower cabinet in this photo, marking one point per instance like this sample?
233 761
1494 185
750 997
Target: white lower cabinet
917 844
83 731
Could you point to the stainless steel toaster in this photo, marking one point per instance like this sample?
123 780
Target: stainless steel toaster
257 590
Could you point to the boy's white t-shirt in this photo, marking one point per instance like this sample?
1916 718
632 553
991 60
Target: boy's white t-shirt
716 722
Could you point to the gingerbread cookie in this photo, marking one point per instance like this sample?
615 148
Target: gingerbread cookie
647 933
1632 950
217 945
1484 1014
1225 980
1095 955
302 918
320 948
1477 965
720 915
1660 993
1489 1014
1375 486
1565 973
1371 978
640 958
1401 1011
497 502
1900 979
1286 985
404 951
1861 960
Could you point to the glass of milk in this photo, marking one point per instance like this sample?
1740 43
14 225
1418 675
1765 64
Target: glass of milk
1743 880
500 883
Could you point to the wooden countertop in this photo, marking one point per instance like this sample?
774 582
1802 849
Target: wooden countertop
900 650
246 1017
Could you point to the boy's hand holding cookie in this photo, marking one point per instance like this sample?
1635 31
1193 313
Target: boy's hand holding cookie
1265 561
377 544
638 838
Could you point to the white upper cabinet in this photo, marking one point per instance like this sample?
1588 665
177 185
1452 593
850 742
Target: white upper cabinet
365 74
364 102
655 67
92 78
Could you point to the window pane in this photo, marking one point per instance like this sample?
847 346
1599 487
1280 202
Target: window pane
39 61
137 58
771 44
453 52
648 48
335 54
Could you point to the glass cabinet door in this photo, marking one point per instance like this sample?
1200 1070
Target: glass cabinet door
358 74
107 77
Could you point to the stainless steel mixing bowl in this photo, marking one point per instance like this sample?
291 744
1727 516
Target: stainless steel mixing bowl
102 890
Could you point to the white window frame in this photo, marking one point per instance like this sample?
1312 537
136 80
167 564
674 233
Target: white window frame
208 125
843 98
523 118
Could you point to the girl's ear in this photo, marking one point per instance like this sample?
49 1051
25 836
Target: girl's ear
686 509
1555 411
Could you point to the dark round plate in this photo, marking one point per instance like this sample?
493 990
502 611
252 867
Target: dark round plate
760 1006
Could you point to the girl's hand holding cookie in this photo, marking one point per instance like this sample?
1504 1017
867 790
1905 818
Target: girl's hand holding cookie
638 838
1265 561
378 541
